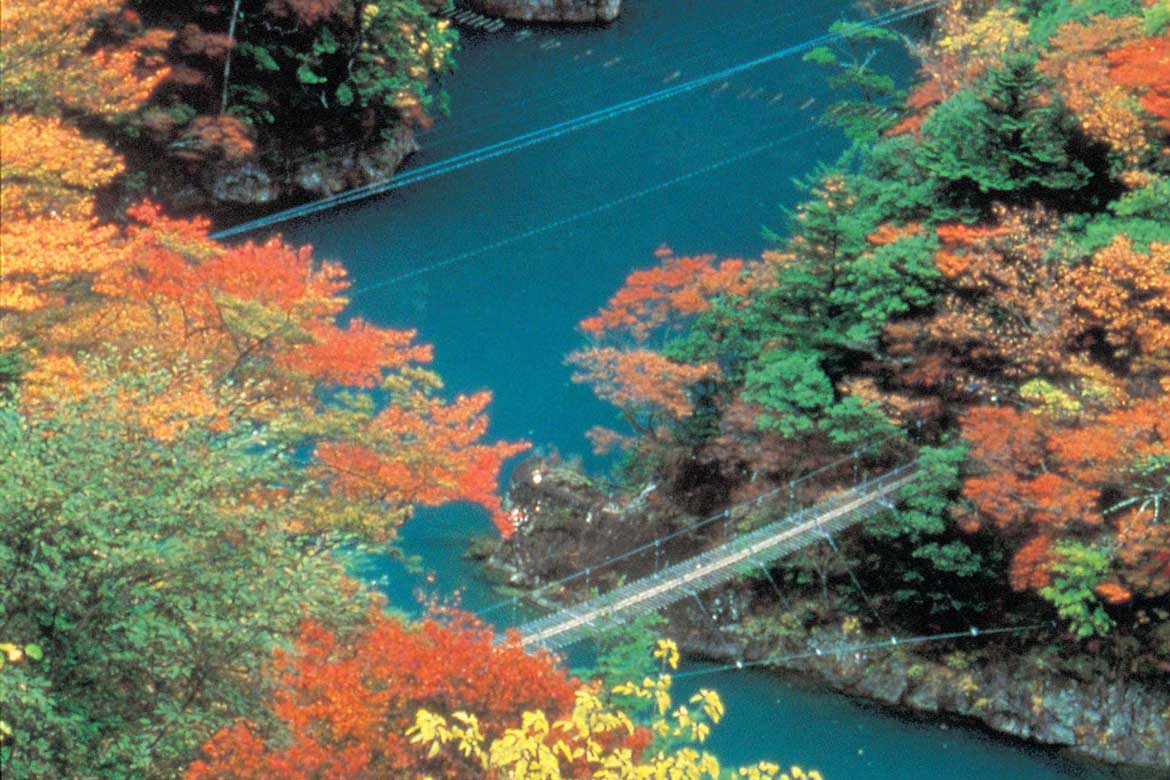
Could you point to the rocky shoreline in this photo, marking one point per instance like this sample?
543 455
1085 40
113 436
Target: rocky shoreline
271 180
274 179
566 522
576 11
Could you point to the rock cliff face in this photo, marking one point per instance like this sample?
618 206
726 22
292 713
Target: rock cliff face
565 523
330 172
550 10
246 183
1119 721
250 183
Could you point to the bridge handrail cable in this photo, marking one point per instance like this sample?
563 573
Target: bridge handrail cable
717 564
722 514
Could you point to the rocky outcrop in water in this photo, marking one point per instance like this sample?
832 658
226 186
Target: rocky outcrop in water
328 172
253 183
242 183
566 522
550 10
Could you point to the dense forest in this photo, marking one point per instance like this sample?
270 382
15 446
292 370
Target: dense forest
193 438
194 434
981 286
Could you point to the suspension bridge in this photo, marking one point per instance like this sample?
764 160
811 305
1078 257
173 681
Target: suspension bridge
719 564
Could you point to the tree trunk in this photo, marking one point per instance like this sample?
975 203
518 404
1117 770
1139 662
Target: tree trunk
227 60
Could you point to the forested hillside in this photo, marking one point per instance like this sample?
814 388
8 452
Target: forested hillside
981 285
195 437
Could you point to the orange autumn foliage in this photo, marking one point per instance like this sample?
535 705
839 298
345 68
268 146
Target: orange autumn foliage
1124 295
346 704
1113 593
49 168
888 233
51 63
925 96
1008 305
956 238
45 256
1077 61
420 451
250 334
214 137
649 387
1031 568
1145 551
1017 308
1017 484
1037 478
640 380
1144 65
1078 348
664 296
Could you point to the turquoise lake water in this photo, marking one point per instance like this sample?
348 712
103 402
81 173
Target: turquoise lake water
501 308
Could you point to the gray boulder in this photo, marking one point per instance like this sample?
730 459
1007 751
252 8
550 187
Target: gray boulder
550 10
245 182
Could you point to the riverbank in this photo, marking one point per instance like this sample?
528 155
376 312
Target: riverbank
297 167
1013 684
234 190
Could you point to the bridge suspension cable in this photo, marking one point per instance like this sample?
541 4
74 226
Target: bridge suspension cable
886 644
718 564
722 514
676 57
525 140
577 217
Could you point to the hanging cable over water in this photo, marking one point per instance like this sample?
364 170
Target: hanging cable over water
719 564
702 523
889 644
525 140
577 217
570 87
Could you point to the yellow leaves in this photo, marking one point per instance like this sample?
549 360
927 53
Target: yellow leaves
14 654
51 168
435 731
966 48
662 701
589 741
48 63
11 653
58 375
1049 399
769 771
990 36
760 771
52 248
710 703
667 651
42 255
20 296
